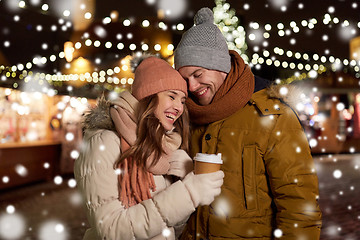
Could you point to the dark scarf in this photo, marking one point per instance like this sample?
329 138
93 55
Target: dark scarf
232 95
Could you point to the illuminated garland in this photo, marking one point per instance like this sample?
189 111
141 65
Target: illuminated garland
319 60
228 23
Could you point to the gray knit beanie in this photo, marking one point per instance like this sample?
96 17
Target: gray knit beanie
203 45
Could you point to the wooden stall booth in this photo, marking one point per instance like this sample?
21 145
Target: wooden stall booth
40 136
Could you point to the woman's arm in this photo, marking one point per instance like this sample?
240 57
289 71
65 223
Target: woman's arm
98 182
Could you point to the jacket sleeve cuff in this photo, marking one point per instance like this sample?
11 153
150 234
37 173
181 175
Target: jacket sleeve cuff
174 204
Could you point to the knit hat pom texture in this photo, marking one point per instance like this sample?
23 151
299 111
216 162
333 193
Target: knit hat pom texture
204 15
203 45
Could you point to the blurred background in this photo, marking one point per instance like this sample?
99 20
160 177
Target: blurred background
57 57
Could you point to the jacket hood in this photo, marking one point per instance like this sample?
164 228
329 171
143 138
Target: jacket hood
289 94
99 116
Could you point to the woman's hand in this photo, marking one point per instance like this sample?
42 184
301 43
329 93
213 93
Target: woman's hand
203 188
180 164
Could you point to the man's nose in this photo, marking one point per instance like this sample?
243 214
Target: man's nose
193 84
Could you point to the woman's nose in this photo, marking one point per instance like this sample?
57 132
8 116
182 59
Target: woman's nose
179 107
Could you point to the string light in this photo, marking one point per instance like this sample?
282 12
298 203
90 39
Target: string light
228 23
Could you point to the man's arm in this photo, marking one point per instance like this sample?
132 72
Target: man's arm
293 180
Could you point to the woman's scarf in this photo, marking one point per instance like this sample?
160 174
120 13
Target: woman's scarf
135 182
232 95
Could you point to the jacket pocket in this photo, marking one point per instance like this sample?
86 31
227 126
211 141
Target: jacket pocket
249 177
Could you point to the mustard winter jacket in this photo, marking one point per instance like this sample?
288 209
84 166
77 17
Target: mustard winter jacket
270 185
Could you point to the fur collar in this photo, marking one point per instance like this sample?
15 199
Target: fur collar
99 116
289 94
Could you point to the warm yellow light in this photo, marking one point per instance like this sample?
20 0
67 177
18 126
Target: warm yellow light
145 23
160 14
69 51
126 22
114 15
81 62
45 7
157 47
22 4
180 27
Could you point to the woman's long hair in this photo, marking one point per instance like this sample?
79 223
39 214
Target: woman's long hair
150 132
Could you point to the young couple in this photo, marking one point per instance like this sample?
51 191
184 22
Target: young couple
135 169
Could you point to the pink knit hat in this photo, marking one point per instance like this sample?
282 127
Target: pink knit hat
154 75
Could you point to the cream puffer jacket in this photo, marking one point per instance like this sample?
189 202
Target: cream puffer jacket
161 217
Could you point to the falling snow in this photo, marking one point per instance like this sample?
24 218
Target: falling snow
278 233
338 189
53 230
172 9
12 226
222 207
166 232
337 174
